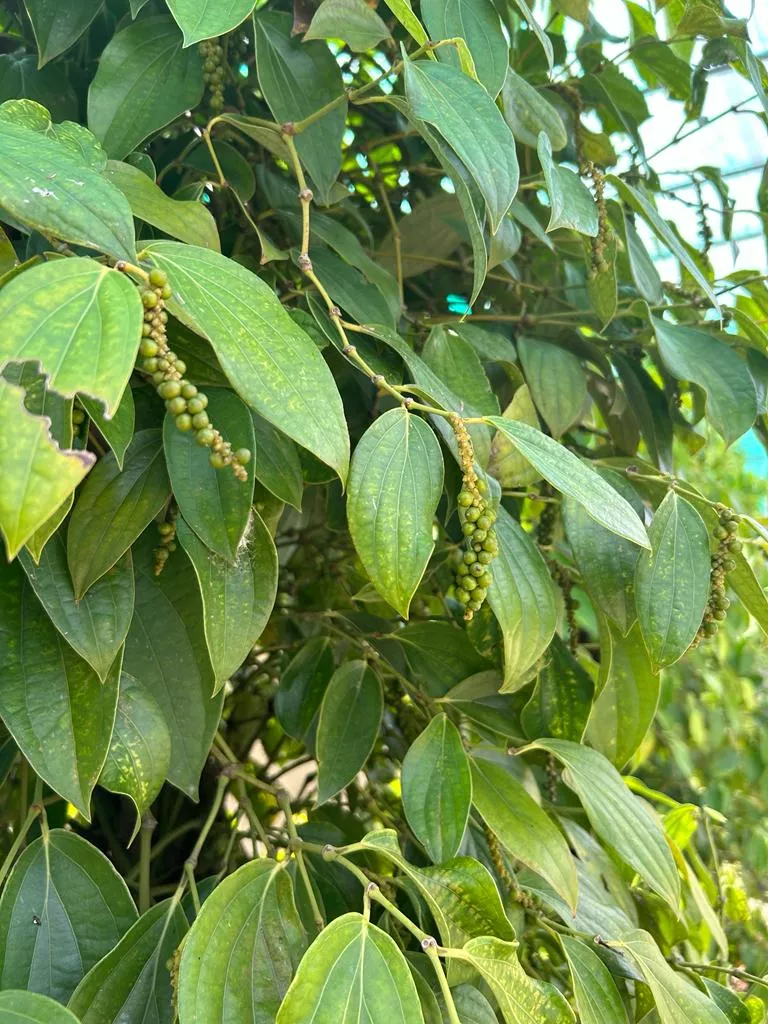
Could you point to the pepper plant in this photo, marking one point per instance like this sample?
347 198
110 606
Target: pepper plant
346 538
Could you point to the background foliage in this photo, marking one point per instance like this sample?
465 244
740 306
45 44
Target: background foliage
468 728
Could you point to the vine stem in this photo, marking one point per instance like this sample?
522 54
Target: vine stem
431 950
396 239
294 842
733 972
148 826
36 810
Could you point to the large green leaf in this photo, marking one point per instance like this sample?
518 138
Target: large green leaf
114 507
571 203
31 1008
694 355
566 472
144 81
597 998
117 431
302 686
354 21
457 364
75 138
556 380
63 908
606 562
472 1006
269 359
349 725
395 483
20 77
238 598
96 625
523 829
747 587
166 652
538 31
522 1000
439 655
628 698
471 124
672 580
132 982
204 19
353 971
140 749
437 789
641 203
297 79
57 26
214 502
277 464
522 597
51 701
528 113
477 23
506 463
38 476
243 949
677 998
184 219
561 698
618 817
80 321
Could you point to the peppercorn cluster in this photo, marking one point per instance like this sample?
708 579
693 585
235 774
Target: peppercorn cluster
214 72
598 262
167 545
722 564
182 399
473 575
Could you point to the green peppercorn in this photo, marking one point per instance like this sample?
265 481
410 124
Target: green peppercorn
464 499
180 365
468 529
217 460
470 557
462 569
198 403
469 583
200 420
484 557
149 299
157 277
188 390
205 437
171 389
243 456
477 569
472 514
176 406
184 422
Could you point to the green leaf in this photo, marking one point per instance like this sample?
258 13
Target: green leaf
76 205
75 138
52 702
672 580
302 686
606 562
403 11
455 362
140 749
522 827
350 716
676 997
214 502
38 477
298 79
437 219
505 462
96 626
618 817
522 1000
478 24
472 1006
561 699
745 584
166 652
20 77
242 951
80 321
364 302
556 380
236 170
602 286
571 203
352 971
541 35
58 26
568 474
36 543
471 124
143 82
204 19
188 221
437 789
597 998
734 1009
626 704
114 507
117 431
83 908
269 360
30 1008
641 203
277 466
694 355
657 61
395 483
439 655
238 598
133 982
528 112
354 21
522 598
641 265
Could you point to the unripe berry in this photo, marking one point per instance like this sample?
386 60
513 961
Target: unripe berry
243 456
484 523
474 605
198 403
480 594
484 557
171 389
200 420
464 499
176 406
149 298
180 365
463 596
188 390
469 583
157 277
468 529
472 514
217 461
469 557
184 422
167 292
205 437
150 365
477 569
